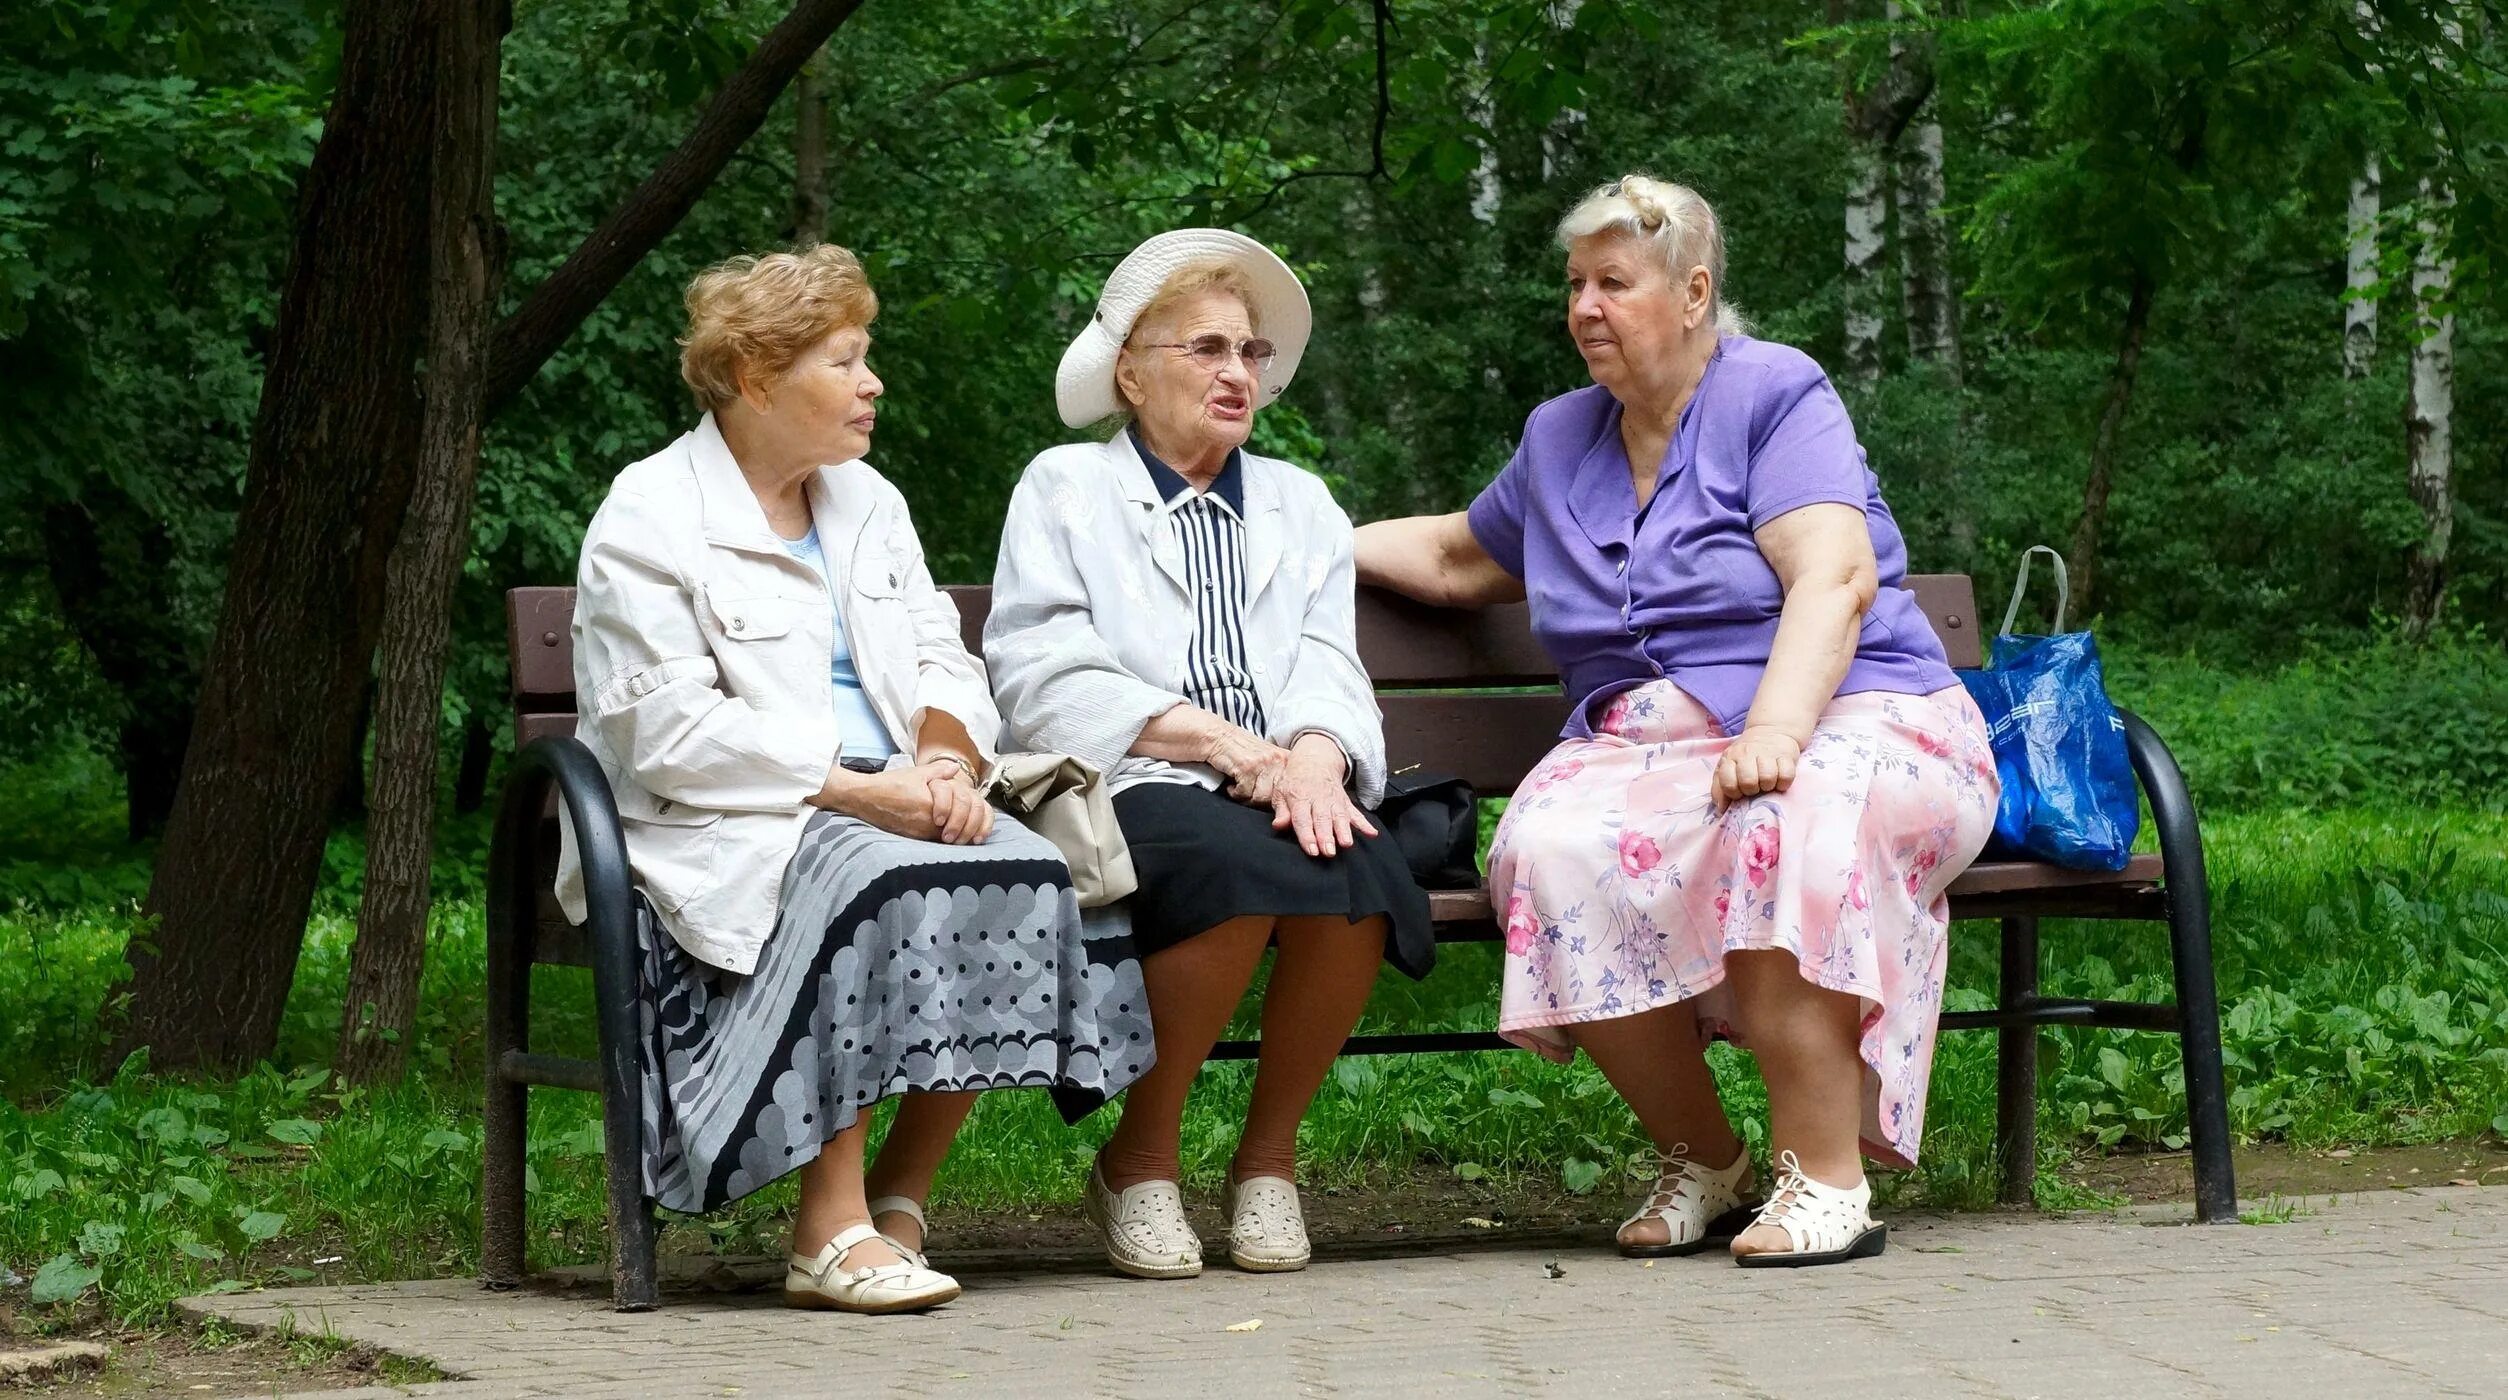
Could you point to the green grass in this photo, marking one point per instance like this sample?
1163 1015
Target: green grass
2363 961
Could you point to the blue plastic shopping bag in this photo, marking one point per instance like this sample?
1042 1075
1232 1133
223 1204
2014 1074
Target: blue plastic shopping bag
2059 747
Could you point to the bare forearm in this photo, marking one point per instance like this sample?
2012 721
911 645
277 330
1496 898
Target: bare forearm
1815 643
941 735
1184 734
1434 559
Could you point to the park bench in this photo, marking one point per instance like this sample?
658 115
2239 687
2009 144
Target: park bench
1469 693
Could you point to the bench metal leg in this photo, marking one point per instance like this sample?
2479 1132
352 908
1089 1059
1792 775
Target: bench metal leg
633 1229
2016 1069
501 1253
2190 952
511 906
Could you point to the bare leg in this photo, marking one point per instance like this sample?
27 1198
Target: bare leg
1193 989
1658 1064
832 1199
1807 1040
918 1141
1319 985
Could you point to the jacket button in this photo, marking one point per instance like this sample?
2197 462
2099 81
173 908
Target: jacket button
738 623
662 808
892 580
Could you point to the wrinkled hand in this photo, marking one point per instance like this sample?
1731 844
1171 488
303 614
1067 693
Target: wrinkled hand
1310 799
1761 760
958 807
1252 764
928 802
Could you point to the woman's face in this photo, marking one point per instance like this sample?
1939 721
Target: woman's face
825 405
1178 403
1625 313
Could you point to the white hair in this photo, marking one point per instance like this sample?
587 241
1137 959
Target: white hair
1673 221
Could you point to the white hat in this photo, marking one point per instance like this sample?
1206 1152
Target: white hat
1084 387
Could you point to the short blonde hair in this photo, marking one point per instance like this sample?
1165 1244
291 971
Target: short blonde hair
755 316
1193 279
1673 221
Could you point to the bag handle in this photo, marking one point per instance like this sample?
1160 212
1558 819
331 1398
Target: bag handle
2020 586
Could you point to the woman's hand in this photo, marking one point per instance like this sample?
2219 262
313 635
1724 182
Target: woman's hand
1310 798
1761 760
958 806
910 802
1252 764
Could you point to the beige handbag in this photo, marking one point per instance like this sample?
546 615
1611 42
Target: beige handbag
1065 801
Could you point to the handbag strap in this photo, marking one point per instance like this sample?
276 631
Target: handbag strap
2020 586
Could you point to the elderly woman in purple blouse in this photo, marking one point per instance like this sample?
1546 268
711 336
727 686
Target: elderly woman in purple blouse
1771 775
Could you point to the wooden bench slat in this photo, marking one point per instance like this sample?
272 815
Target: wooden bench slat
1490 741
540 647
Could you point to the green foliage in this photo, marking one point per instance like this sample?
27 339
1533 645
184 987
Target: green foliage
2387 724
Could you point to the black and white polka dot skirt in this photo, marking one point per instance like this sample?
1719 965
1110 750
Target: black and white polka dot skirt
896 965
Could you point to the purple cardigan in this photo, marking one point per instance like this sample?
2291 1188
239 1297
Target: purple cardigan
1621 597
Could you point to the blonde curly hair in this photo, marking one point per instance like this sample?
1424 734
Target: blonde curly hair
753 317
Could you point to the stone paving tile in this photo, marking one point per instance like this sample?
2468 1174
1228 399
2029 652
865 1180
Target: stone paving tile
2383 1294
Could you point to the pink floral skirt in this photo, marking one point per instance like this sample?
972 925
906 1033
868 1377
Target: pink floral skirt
1622 885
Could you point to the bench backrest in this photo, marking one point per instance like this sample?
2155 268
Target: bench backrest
1427 664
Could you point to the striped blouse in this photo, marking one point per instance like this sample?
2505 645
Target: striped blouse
1211 527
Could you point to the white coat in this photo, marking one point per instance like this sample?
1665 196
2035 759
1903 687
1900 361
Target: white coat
1087 638
702 650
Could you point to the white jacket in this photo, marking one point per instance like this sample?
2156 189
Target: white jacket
1090 621
701 669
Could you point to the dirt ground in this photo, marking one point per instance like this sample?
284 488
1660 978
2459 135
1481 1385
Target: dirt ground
1424 1211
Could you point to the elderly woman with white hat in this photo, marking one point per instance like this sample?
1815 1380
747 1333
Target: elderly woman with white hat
1179 612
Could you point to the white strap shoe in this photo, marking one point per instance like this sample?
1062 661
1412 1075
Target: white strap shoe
1145 1229
1822 1224
825 1282
912 1209
1266 1226
1700 1207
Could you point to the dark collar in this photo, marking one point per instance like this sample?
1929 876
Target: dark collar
1230 487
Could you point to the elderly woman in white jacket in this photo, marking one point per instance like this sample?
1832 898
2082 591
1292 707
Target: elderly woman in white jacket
793 729
1179 612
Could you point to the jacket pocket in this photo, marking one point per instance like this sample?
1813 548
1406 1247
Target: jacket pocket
754 618
671 845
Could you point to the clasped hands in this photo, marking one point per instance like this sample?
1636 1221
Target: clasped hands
1302 784
935 800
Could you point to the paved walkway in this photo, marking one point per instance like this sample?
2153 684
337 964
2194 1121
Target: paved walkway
2400 1293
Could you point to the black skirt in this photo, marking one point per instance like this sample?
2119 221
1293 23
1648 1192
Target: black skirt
1205 858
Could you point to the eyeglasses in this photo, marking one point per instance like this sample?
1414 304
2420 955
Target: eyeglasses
1211 352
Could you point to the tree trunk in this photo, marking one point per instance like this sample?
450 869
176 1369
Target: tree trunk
333 442
2084 557
108 561
1867 214
334 456
1927 298
465 260
1875 118
2429 409
809 157
2360 303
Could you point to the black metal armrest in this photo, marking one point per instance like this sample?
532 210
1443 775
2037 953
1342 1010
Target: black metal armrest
600 843
2172 808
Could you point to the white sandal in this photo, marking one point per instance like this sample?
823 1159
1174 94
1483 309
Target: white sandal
912 1209
1822 1224
1700 1207
1266 1226
1145 1229
825 1282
